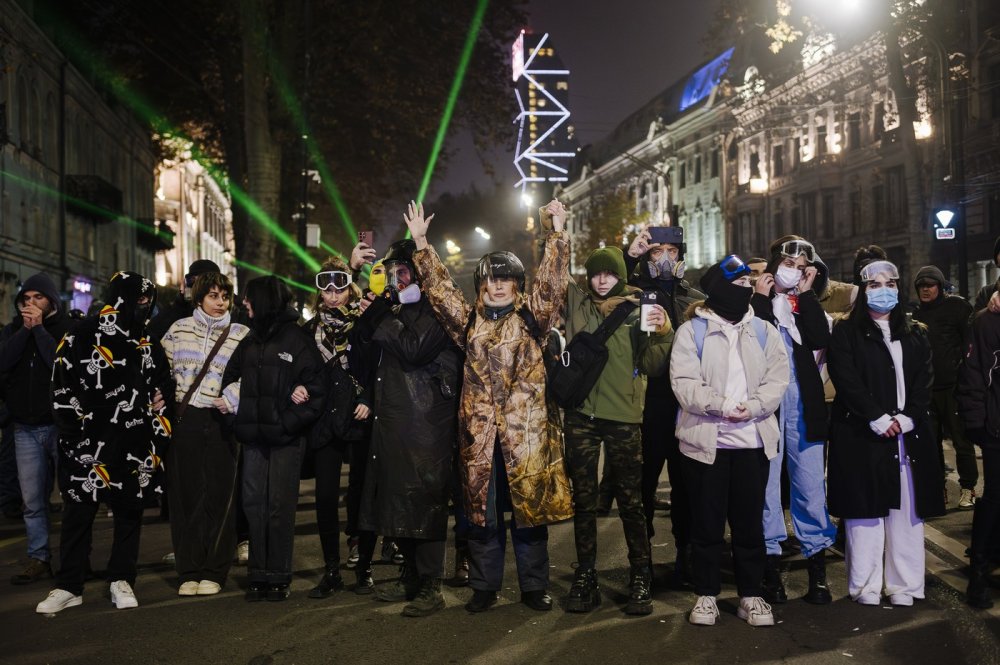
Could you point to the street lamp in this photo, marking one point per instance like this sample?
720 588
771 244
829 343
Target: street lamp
483 233
452 247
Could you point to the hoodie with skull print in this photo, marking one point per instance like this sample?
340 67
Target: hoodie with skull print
105 374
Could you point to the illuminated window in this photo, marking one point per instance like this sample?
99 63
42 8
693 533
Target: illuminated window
562 85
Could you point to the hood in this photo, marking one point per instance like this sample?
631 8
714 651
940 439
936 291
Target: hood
705 313
122 295
43 284
932 273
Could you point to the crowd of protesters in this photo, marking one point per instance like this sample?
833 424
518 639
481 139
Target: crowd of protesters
496 410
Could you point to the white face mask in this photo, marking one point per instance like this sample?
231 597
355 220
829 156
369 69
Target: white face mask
409 295
787 278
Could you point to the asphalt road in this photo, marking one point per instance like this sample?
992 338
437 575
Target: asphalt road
348 628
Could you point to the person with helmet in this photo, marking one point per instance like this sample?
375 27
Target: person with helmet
786 295
509 437
407 482
659 268
612 413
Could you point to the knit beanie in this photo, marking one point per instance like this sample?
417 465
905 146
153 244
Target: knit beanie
43 284
608 259
932 273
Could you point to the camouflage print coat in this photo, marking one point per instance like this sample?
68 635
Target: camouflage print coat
503 393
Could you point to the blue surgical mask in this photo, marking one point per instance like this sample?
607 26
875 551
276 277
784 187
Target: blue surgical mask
882 299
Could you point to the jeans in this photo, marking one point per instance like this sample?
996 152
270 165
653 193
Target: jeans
270 497
36 449
807 483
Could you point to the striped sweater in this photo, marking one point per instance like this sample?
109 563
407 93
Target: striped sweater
188 343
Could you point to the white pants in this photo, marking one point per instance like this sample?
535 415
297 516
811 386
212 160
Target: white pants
899 538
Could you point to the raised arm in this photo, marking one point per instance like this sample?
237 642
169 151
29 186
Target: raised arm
548 293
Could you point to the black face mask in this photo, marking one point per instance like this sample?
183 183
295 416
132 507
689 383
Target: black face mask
729 301
141 314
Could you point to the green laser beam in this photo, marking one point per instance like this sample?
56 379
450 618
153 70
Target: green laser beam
267 273
291 102
138 105
456 87
449 108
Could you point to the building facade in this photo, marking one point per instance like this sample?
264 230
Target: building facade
76 173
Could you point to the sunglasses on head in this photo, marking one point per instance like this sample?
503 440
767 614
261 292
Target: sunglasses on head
732 267
335 279
793 249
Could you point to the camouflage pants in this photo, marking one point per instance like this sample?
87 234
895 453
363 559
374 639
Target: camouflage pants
623 450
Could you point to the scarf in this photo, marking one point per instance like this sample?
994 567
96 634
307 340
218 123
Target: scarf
332 332
785 308
607 305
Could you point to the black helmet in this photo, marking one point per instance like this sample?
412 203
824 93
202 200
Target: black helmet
500 265
401 251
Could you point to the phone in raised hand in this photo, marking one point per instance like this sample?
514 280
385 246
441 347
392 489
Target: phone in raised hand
647 299
368 238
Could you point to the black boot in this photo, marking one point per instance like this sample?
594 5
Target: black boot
978 593
405 588
818 593
538 600
429 599
682 567
365 584
332 581
482 600
585 594
640 599
773 588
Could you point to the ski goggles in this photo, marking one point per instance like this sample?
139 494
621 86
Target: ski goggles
732 267
795 248
336 279
876 268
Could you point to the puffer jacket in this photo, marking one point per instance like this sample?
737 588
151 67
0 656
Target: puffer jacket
978 390
503 394
700 383
620 392
269 366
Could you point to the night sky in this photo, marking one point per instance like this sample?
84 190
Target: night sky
620 55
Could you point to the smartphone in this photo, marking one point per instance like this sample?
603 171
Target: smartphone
367 237
666 235
646 301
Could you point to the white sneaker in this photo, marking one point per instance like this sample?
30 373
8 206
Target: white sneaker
967 499
243 552
869 599
189 588
58 600
169 558
208 588
122 595
705 612
902 599
755 611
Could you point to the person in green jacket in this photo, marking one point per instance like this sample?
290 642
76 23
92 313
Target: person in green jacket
612 414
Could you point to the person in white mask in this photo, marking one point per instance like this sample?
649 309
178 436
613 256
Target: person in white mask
786 295
884 470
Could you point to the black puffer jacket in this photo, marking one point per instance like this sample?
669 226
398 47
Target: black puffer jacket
269 366
947 319
978 391
26 365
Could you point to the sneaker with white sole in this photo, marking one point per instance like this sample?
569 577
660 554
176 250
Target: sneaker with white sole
901 599
58 600
967 499
189 588
243 553
755 611
353 552
208 588
122 595
705 612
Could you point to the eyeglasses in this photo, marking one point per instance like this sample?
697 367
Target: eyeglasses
875 268
732 267
796 248
336 279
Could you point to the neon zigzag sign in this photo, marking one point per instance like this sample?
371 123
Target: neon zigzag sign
531 153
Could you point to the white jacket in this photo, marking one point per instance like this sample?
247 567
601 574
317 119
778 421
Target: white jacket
700 383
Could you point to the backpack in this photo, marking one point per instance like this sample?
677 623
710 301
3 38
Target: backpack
572 378
701 328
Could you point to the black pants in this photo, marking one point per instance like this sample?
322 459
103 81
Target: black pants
986 519
427 556
201 471
659 446
732 487
77 534
945 420
329 462
270 497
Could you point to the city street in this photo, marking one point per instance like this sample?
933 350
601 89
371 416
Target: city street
351 628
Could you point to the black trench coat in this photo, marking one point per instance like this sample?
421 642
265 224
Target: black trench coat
863 468
409 472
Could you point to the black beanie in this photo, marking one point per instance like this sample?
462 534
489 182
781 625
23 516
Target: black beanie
934 274
726 299
43 284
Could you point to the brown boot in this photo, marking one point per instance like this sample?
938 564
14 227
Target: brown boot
461 577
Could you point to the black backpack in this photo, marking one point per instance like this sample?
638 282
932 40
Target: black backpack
573 375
